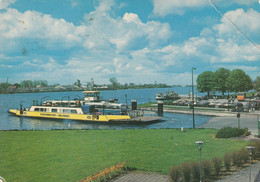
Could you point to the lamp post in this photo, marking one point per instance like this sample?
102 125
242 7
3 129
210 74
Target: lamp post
250 149
126 100
193 119
21 105
62 98
77 97
43 98
199 143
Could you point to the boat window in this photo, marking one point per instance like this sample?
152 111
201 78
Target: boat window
43 109
36 109
73 111
66 110
54 110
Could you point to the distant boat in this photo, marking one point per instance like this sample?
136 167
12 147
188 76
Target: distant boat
171 95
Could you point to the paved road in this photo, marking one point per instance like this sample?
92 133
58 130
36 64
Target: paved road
243 175
141 177
250 122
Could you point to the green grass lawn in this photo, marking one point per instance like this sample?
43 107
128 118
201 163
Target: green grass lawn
70 155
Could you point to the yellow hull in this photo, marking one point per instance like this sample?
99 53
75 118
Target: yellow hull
82 117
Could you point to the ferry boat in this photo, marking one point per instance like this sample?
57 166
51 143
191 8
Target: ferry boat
90 109
72 112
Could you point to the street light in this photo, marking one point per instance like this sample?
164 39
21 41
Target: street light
62 98
193 119
250 149
21 105
43 98
199 143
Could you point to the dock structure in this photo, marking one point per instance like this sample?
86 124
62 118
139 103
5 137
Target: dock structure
140 120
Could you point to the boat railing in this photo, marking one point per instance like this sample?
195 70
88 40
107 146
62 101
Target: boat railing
135 113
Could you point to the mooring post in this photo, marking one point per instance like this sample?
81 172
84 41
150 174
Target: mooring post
238 120
134 105
258 120
160 108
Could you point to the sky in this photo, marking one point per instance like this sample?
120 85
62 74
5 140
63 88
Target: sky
135 41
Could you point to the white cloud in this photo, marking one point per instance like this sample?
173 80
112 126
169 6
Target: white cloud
105 46
34 29
6 3
246 23
131 17
166 7
123 33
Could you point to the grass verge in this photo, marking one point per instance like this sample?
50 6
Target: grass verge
71 155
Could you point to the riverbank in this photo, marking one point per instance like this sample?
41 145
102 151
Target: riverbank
222 118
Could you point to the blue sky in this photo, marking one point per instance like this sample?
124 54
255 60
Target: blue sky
135 41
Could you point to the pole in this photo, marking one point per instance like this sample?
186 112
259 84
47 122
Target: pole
200 165
250 149
238 120
193 119
250 168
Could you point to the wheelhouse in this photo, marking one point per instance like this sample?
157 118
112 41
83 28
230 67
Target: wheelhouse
91 96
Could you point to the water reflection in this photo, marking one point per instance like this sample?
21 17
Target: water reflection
171 120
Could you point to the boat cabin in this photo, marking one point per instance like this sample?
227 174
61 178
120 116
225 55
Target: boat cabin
85 109
91 96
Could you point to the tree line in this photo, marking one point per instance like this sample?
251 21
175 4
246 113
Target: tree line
24 84
114 85
225 81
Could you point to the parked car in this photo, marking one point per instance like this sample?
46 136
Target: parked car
203 103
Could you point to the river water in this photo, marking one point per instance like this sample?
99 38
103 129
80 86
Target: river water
171 120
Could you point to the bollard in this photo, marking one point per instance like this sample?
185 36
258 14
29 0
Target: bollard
134 105
160 108
238 120
258 126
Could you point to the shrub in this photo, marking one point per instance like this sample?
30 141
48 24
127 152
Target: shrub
206 168
195 171
243 154
257 149
246 132
186 171
228 132
227 161
217 165
174 174
237 161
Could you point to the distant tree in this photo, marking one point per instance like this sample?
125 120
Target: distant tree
17 85
239 81
26 83
256 84
4 86
220 80
30 83
114 83
205 82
